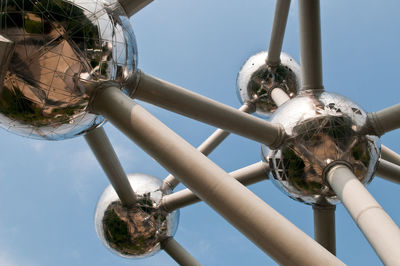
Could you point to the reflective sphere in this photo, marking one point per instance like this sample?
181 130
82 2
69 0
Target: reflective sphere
322 128
256 80
58 44
135 232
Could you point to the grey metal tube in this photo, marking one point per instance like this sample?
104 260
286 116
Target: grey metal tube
187 103
324 226
380 230
278 32
133 6
310 44
384 120
209 144
279 96
388 171
389 155
105 154
248 175
273 233
178 253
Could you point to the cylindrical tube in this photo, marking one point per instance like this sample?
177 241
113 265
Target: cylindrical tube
105 154
324 226
133 6
279 96
389 155
384 120
310 44
187 103
278 32
388 171
273 233
178 253
248 175
380 230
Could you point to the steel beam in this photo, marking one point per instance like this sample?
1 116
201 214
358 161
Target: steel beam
310 45
324 226
279 96
389 155
384 120
187 103
278 32
388 171
248 175
380 230
105 154
209 144
273 233
133 6
178 253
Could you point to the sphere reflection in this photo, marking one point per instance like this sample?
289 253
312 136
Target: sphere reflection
58 44
256 80
322 128
135 232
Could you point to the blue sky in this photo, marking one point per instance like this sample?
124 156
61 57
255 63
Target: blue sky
49 190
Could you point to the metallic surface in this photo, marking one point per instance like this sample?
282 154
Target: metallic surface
264 226
390 155
256 80
384 120
193 105
377 226
135 232
178 253
59 46
322 128
310 45
388 171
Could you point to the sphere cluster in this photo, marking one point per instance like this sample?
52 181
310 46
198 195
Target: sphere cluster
58 45
323 128
135 232
256 80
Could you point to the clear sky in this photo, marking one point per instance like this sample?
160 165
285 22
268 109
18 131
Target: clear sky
49 190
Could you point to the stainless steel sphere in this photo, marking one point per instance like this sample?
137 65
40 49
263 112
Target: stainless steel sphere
135 232
256 80
58 44
322 128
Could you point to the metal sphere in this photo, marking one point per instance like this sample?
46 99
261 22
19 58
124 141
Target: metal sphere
256 80
323 128
59 44
135 232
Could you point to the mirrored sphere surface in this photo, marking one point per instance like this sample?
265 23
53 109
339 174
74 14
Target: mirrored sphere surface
322 128
59 44
256 80
135 232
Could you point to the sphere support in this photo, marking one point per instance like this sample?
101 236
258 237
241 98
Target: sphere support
187 103
380 230
178 253
389 155
384 120
388 171
324 226
133 6
278 32
273 233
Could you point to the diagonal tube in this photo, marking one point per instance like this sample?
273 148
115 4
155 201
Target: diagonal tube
187 103
388 171
310 45
105 154
133 6
324 226
248 175
273 233
278 32
389 155
178 253
380 230
384 120
209 144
